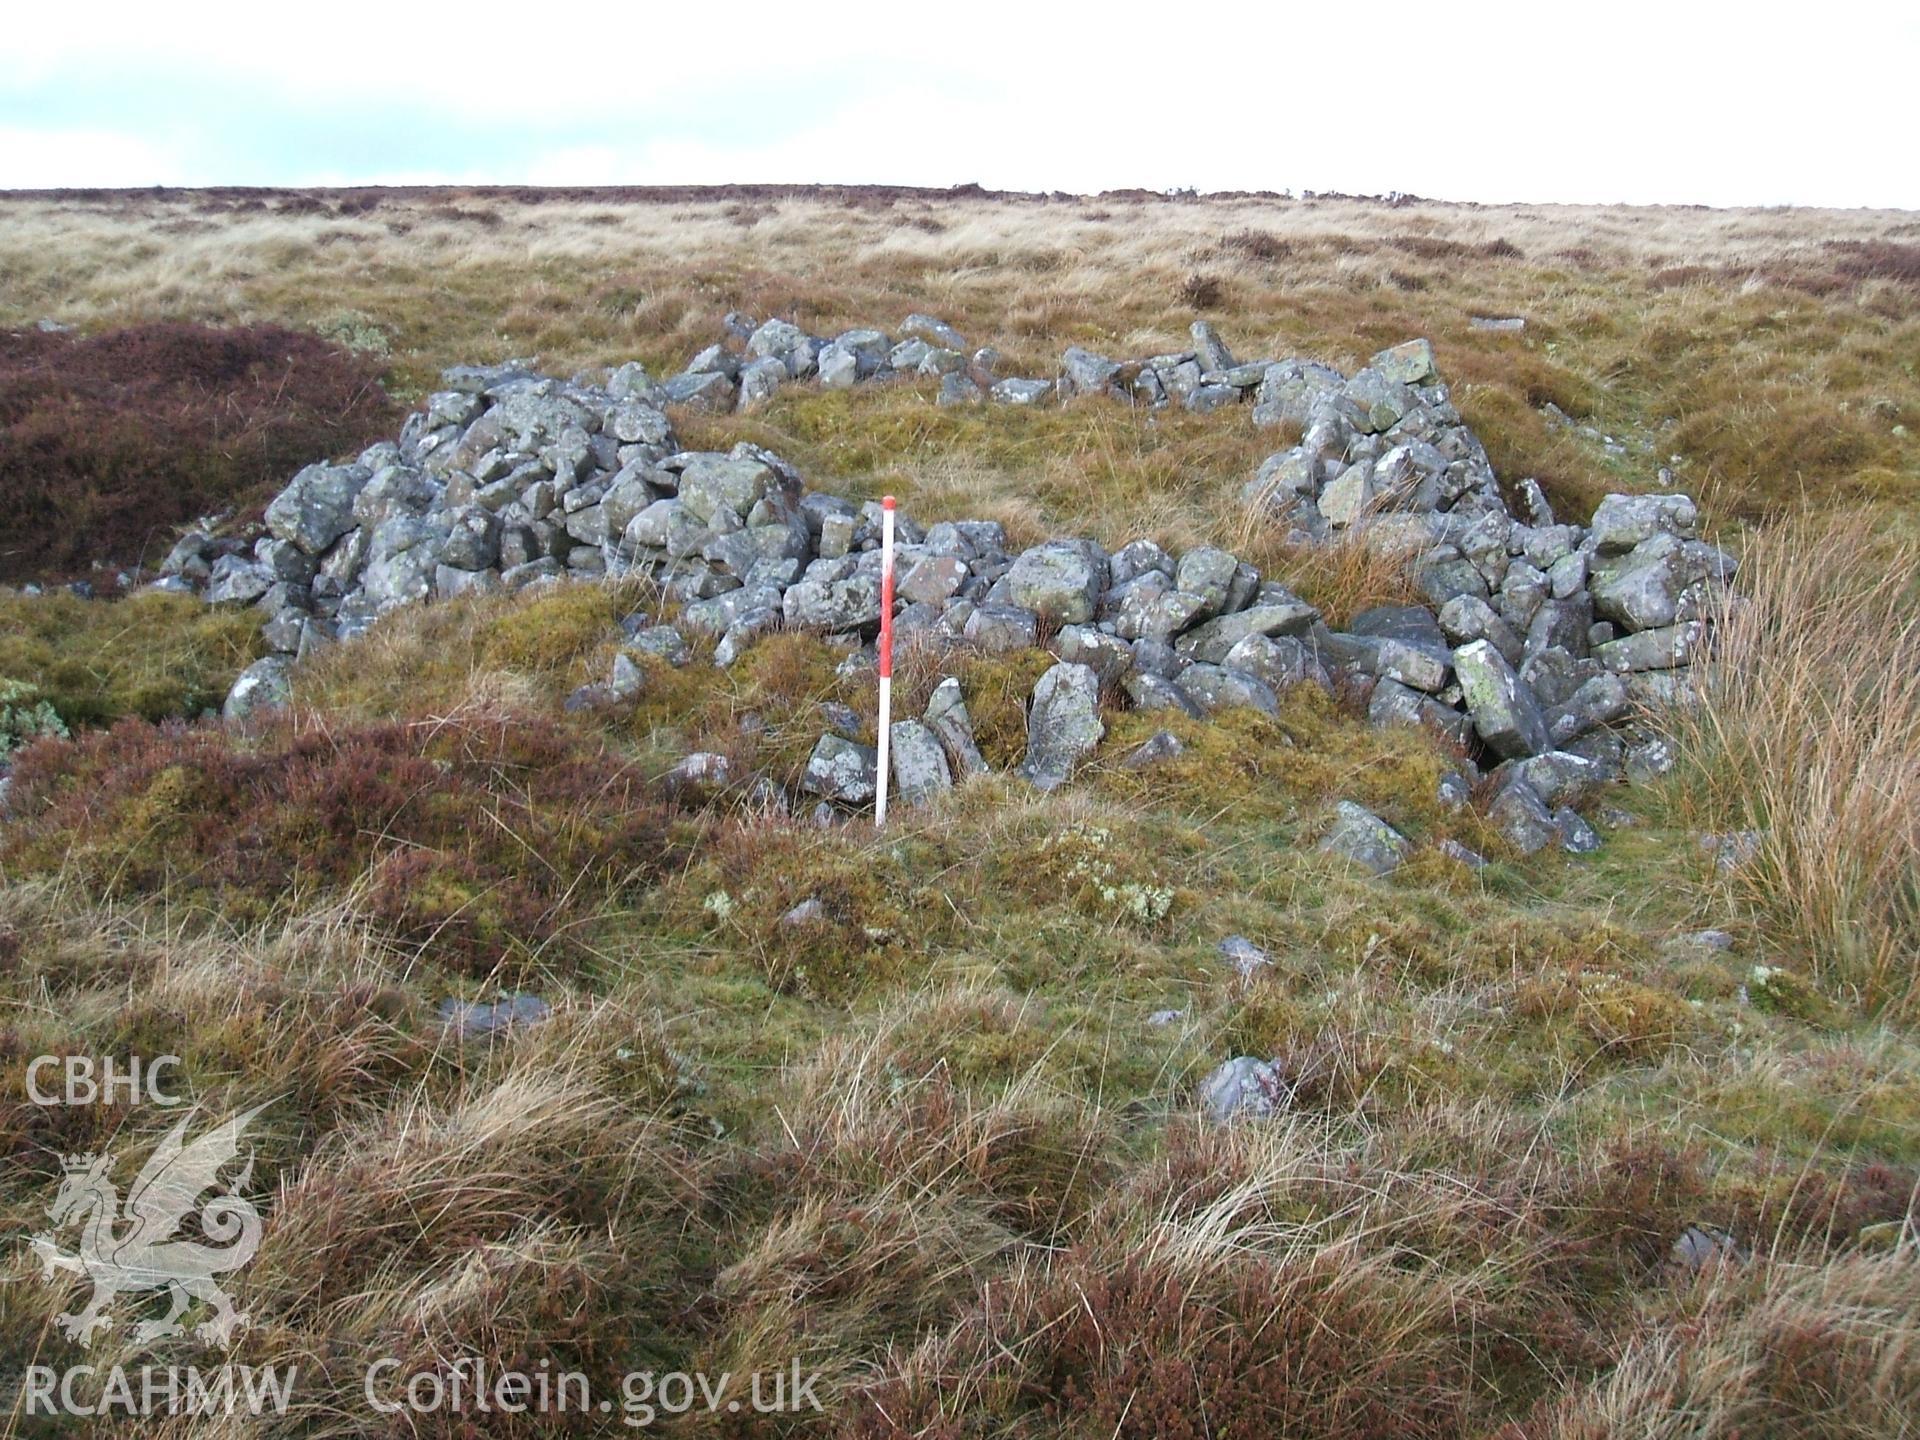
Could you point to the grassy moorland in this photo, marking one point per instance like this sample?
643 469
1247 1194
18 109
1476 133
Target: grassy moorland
929 1142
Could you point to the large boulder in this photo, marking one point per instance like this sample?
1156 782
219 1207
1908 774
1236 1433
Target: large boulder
1082 372
947 718
1409 363
1063 724
1662 580
1503 708
1214 688
843 770
316 509
1623 521
851 602
1245 1087
1059 580
1275 613
264 685
918 762
1359 835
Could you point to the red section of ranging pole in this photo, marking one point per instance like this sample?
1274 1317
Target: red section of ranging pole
886 604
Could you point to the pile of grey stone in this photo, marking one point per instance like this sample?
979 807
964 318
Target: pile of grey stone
754 361
1534 642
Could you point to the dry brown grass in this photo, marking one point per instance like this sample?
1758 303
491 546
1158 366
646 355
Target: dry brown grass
931 1142
1809 732
1775 366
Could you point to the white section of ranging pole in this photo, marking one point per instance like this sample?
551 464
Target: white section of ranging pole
884 762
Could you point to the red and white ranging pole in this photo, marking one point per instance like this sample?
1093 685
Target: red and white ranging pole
884 761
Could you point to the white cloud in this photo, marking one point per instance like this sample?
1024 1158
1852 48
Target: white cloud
44 159
1637 102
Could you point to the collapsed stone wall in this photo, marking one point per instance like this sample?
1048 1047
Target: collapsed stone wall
1535 641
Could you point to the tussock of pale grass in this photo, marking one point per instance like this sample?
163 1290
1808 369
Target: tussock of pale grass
1790 1351
1809 732
1342 577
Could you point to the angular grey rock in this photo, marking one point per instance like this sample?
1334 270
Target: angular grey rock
473 538
1380 401
1557 777
1733 849
1503 708
1063 724
1454 850
664 642
1244 956
1349 497
1002 629
760 380
1651 585
840 769
1395 704
700 770
712 484
1411 665
263 686
1245 1087
1621 522
316 509
838 605
1148 691
1649 761
947 718
1577 837
1135 559
906 357
1160 746
748 627
1109 656
776 338
1409 363
929 328
637 421
1021 392
1276 613
958 389
918 761
934 580
1209 398
1061 581
477 1020
1215 688
236 580
1149 608
1700 1247
1522 818
811 911
1667 648
708 392
1082 372
1466 618
1208 572
1208 348
1277 664
1359 835
839 367
627 679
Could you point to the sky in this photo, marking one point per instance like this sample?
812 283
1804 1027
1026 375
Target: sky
1635 103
